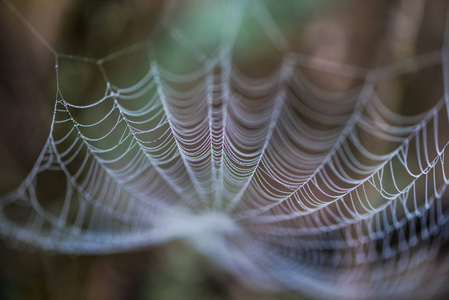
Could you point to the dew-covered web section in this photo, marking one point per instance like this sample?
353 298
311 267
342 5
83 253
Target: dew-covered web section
282 183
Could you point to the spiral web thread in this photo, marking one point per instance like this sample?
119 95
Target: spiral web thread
322 192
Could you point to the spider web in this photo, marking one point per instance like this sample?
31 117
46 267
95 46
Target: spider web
284 184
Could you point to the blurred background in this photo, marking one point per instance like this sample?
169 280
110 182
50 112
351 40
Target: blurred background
367 34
